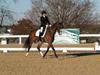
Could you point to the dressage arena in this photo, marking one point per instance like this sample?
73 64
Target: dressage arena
81 59
70 63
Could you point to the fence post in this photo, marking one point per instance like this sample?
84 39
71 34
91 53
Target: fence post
96 46
20 40
65 50
5 51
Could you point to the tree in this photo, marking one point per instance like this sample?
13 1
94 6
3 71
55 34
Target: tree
5 13
22 27
35 11
72 12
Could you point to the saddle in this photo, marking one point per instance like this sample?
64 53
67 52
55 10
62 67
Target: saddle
39 30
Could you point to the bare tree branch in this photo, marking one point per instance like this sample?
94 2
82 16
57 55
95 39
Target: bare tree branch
73 12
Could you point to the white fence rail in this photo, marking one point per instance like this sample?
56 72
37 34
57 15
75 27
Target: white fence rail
14 36
25 36
89 35
62 48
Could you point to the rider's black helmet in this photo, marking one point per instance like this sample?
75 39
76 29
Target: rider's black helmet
44 12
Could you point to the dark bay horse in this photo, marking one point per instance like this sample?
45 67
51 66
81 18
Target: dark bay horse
48 38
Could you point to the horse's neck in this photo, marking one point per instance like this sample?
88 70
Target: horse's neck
53 29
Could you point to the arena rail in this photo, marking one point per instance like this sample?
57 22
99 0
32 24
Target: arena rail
94 47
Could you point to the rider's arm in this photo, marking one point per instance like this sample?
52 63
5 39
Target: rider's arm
48 22
42 21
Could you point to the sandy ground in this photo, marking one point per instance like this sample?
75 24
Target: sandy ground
16 63
45 45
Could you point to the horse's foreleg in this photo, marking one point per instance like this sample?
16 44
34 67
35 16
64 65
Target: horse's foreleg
54 51
46 51
38 47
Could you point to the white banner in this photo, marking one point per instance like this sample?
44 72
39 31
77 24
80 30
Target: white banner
68 36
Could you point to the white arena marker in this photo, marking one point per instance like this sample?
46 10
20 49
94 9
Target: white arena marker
5 50
64 50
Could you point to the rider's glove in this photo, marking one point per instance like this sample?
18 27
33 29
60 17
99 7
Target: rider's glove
50 25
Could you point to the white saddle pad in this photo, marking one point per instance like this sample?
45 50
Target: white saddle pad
38 32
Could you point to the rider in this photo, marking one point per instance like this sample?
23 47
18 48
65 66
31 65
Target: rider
44 22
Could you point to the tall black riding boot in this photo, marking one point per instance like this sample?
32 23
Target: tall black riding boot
40 37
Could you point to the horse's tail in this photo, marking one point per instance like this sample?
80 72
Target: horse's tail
27 42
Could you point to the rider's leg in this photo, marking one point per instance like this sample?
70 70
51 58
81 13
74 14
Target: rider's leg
40 34
42 29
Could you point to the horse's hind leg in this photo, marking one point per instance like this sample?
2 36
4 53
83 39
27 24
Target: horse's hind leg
28 50
30 44
38 47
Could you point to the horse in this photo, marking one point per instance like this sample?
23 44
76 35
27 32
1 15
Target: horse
48 38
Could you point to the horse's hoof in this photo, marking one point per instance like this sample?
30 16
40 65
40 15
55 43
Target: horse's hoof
44 57
56 56
27 54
